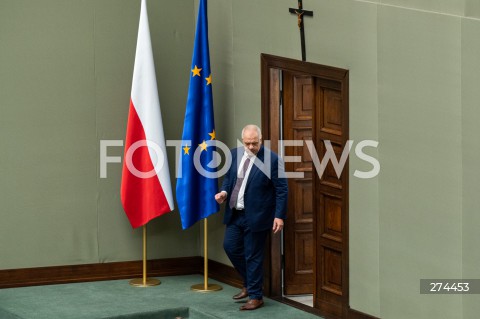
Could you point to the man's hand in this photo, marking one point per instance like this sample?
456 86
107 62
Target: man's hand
221 197
277 225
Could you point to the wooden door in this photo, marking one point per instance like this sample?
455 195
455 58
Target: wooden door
331 200
298 103
315 109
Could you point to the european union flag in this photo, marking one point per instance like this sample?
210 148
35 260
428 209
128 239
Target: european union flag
197 184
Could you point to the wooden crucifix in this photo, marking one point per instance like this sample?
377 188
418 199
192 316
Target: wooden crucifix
300 14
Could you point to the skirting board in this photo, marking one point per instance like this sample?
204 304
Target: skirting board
11 278
354 314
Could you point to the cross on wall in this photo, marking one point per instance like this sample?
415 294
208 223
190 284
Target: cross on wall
300 14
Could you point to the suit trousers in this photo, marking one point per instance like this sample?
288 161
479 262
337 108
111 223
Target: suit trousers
246 249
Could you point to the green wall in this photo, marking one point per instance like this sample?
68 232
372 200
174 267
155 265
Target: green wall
421 153
65 80
470 158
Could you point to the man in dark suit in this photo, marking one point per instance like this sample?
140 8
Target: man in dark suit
255 191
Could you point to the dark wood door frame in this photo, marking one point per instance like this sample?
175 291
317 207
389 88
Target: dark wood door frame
270 66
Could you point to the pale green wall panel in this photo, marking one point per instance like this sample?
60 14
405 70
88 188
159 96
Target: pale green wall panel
329 33
472 8
116 27
361 54
270 29
47 134
420 129
471 159
455 7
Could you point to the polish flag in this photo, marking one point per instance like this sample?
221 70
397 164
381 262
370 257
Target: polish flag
146 191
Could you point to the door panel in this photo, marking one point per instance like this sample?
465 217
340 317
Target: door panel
314 231
331 112
331 202
329 177
331 225
298 101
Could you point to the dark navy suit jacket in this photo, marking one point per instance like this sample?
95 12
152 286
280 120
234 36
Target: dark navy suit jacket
265 197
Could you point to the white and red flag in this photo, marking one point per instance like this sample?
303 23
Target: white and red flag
146 190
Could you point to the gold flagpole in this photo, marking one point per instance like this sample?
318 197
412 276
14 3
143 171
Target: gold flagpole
205 287
144 281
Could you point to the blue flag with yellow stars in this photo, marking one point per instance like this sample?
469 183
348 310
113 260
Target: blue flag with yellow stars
196 178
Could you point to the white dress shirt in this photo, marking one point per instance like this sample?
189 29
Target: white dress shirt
241 193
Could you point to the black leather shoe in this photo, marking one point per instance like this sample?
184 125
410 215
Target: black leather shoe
242 294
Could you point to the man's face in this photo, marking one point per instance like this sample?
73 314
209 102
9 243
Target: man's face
251 141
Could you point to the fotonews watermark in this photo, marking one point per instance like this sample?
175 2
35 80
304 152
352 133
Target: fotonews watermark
218 165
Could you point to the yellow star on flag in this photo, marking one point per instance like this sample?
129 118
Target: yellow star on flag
209 80
203 146
186 149
196 71
212 135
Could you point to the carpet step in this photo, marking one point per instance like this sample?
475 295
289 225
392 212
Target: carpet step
171 313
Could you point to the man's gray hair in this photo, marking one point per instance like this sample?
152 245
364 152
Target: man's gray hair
252 127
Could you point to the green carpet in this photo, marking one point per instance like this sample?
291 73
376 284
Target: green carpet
117 299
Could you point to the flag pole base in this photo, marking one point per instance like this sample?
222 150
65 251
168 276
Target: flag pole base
210 288
138 282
